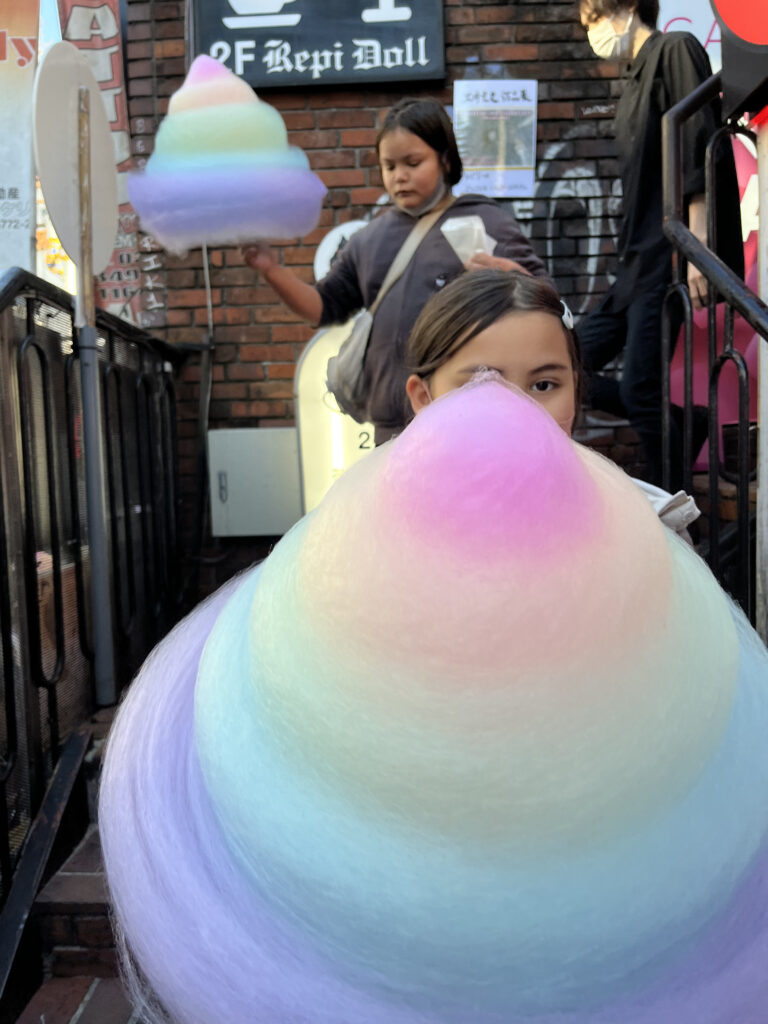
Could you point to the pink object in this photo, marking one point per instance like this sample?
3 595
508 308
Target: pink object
744 338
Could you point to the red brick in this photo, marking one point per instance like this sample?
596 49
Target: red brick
192 297
550 111
343 179
365 196
56 1002
320 158
359 137
139 68
239 334
299 120
178 317
94 932
298 254
245 296
169 48
511 52
231 390
164 11
138 51
277 371
98 963
140 87
481 34
245 371
345 98
315 139
271 389
292 332
175 278
168 30
138 12
259 409
346 119
134 32
462 16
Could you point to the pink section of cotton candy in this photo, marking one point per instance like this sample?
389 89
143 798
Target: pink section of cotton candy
464 490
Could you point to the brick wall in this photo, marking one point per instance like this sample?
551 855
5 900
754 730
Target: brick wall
571 221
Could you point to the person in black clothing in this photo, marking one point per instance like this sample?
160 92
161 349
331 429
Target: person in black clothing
660 71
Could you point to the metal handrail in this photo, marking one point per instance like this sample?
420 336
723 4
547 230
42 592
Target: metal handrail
15 281
728 284
729 287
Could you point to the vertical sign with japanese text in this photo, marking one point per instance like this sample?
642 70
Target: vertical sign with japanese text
18 60
301 42
495 124
94 27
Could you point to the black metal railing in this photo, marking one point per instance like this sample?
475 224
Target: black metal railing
729 544
46 639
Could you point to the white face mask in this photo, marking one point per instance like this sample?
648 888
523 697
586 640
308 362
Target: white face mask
607 43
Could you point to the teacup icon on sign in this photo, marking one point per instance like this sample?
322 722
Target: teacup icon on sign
260 14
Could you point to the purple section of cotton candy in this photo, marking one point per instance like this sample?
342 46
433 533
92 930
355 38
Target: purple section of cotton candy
206 945
190 208
214 952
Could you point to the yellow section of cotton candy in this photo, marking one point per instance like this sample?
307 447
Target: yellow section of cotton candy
524 710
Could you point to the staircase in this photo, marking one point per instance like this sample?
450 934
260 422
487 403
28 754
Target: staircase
71 914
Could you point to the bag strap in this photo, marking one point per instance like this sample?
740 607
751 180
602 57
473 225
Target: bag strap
416 236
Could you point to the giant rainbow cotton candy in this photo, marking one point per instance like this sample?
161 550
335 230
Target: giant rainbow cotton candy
222 171
480 743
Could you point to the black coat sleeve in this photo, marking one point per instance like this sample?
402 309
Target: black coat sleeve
685 66
340 289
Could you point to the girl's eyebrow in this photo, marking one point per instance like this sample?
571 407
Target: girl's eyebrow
549 367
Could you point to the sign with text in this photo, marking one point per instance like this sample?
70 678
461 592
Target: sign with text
696 17
495 124
274 43
93 26
18 59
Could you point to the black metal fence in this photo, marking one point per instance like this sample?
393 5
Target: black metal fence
729 544
45 632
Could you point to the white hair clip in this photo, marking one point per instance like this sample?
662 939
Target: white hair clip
567 315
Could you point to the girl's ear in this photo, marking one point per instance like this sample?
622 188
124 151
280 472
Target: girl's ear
418 392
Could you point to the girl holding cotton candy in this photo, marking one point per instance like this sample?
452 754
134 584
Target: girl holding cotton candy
515 325
419 162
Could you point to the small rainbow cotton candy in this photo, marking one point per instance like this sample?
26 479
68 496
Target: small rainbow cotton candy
222 171
481 742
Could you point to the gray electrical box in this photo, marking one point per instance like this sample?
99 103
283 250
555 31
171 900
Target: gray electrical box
254 481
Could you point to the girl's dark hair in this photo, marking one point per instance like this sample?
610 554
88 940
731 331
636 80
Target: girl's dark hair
428 119
471 303
646 10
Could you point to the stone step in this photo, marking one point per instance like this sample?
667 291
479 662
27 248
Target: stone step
72 916
79 1000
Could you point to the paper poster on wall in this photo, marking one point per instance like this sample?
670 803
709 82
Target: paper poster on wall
495 124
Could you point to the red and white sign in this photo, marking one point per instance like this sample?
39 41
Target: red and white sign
94 27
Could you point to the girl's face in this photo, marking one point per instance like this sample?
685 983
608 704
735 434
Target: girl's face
528 349
411 169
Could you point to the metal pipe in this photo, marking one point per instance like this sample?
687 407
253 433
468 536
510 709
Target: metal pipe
761 583
101 590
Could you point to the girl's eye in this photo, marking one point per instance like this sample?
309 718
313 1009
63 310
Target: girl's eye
544 385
